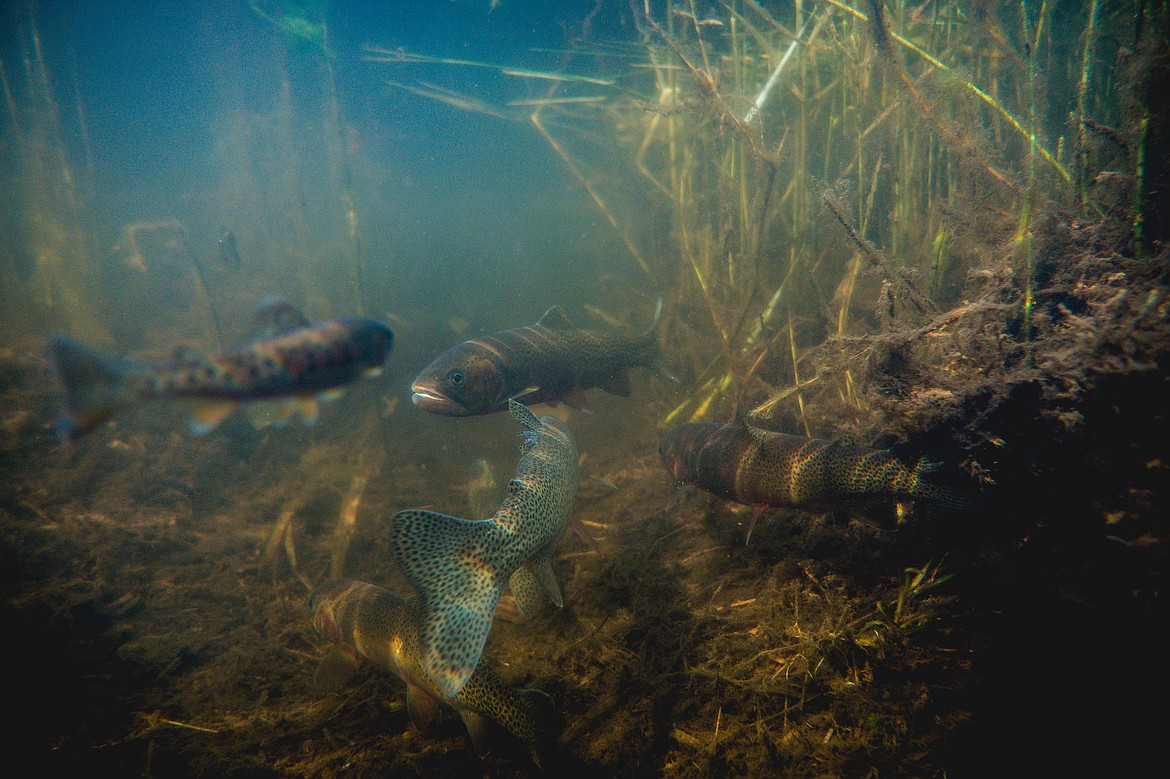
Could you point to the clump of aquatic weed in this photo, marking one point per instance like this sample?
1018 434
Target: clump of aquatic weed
811 676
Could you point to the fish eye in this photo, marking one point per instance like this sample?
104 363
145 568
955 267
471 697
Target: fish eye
456 377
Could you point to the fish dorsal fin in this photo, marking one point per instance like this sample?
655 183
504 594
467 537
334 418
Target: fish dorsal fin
276 315
188 355
740 421
556 319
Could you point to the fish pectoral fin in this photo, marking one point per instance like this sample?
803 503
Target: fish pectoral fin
575 399
542 570
372 373
509 610
337 667
330 395
207 414
617 384
478 727
527 591
756 512
422 706
663 369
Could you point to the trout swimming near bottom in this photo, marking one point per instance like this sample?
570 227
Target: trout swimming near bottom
383 627
291 360
763 469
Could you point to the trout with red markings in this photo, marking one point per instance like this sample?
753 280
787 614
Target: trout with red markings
366 620
293 359
552 360
763 469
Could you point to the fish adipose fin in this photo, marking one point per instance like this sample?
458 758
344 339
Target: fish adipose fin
450 563
95 384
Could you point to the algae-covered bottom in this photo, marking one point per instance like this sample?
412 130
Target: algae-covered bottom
155 583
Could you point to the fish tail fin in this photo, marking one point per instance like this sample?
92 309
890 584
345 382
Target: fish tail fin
535 720
95 385
945 487
546 722
451 563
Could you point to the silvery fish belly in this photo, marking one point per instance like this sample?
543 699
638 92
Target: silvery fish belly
459 567
762 468
292 359
552 360
383 627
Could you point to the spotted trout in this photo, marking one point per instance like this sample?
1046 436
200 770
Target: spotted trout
383 628
459 567
552 360
292 359
763 469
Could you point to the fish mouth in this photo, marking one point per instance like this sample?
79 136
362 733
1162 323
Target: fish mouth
428 399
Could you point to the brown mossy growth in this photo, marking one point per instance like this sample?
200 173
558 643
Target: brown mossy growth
959 140
680 650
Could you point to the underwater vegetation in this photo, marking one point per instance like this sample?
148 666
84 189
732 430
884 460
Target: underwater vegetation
908 268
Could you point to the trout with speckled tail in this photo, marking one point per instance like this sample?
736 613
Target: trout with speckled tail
382 627
761 468
459 567
292 359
